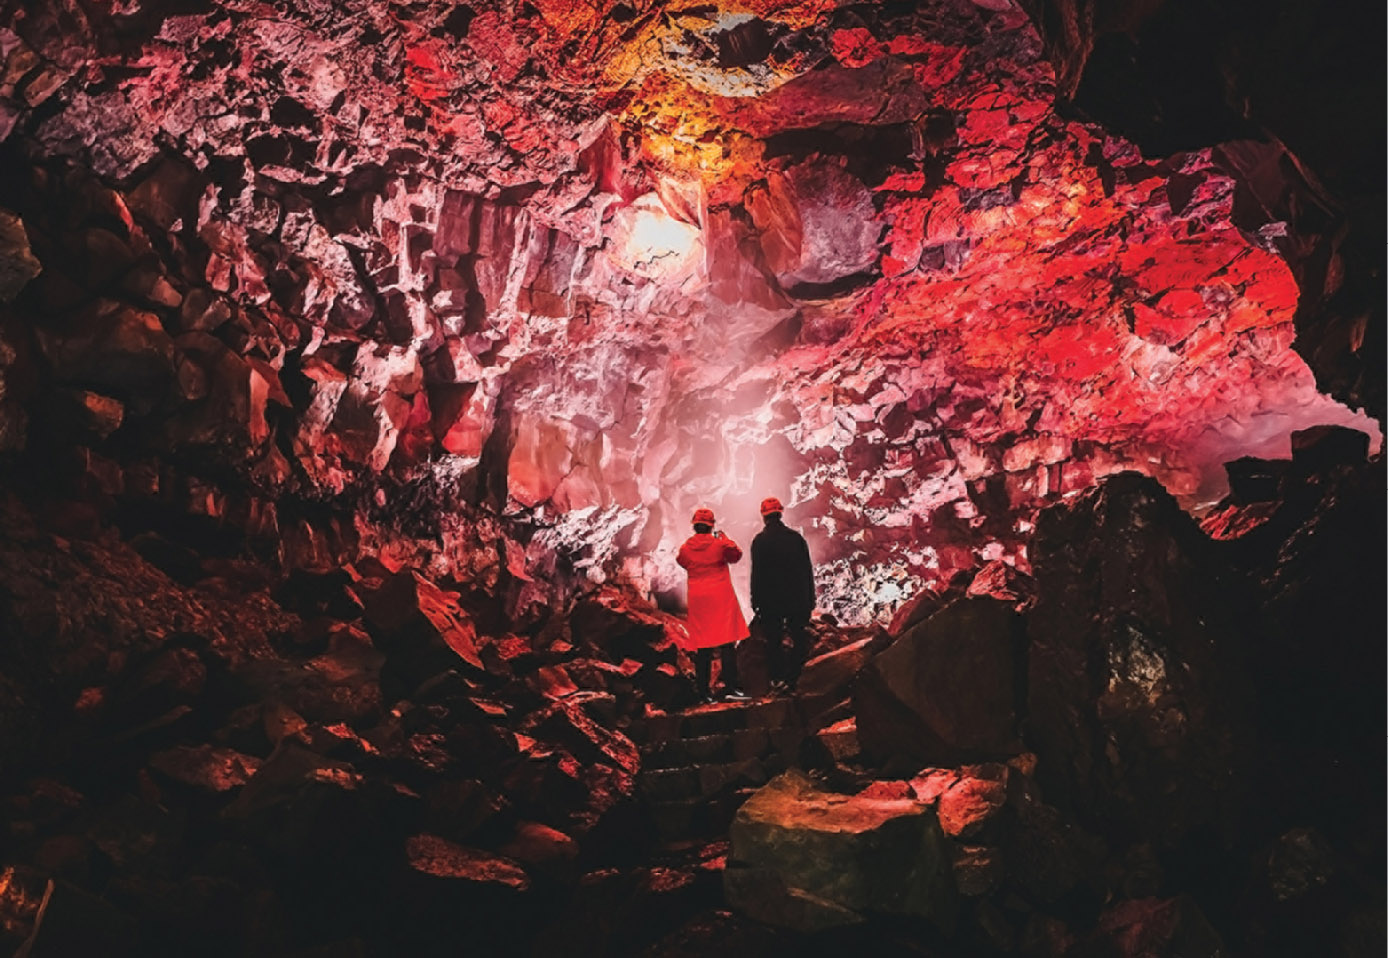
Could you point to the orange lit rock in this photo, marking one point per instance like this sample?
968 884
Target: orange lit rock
807 859
437 857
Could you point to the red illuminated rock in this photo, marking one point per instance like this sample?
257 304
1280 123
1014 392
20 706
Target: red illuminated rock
566 724
825 680
965 798
407 607
114 346
206 767
437 857
806 859
817 224
541 847
638 274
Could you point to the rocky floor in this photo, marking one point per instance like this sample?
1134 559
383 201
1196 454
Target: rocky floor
1140 751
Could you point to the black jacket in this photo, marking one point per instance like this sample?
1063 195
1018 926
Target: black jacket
782 579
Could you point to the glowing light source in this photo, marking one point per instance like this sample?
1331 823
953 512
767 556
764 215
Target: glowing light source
651 242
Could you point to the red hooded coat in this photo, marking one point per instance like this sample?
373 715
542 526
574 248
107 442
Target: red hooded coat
715 618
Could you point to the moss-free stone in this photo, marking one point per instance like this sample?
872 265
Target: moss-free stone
809 859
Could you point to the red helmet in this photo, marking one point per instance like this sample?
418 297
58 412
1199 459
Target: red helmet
771 506
703 517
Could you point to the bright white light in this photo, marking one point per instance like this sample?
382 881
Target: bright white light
653 243
655 235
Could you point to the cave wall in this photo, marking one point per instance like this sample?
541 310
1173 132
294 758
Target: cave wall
1174 75
504 290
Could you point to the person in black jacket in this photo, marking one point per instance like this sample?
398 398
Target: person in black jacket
782 594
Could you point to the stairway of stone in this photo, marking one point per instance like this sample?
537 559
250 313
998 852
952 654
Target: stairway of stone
699 765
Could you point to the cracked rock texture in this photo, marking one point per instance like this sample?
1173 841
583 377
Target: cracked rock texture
503 290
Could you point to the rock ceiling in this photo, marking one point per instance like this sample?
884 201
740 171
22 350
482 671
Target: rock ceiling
555 273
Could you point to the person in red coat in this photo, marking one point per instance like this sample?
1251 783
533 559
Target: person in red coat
715 619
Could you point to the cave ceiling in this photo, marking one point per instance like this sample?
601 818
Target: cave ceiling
556 273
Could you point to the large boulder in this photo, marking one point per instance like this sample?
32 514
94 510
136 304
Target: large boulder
113 347
1138 693
817 224
946 689
618 626
422 627
807 859
453 892
825 680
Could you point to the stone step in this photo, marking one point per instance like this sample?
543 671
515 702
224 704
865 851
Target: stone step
715 779
688 751
722 718
750 743
697 767
669 784
705 781
697 819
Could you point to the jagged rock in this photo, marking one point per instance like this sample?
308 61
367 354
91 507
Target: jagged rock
18 264
437 857
565 723
825 679
91 411
341 685
407 608
545 850
113 346
998 580
546 784
965 798
807 859
621 628
817 224
840 740
451 892
1139 688
947 687
1146 928
231 401
926 603
206 766
323 824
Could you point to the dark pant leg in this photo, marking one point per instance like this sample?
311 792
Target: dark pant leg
727 673
777 662
703 668
799 652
